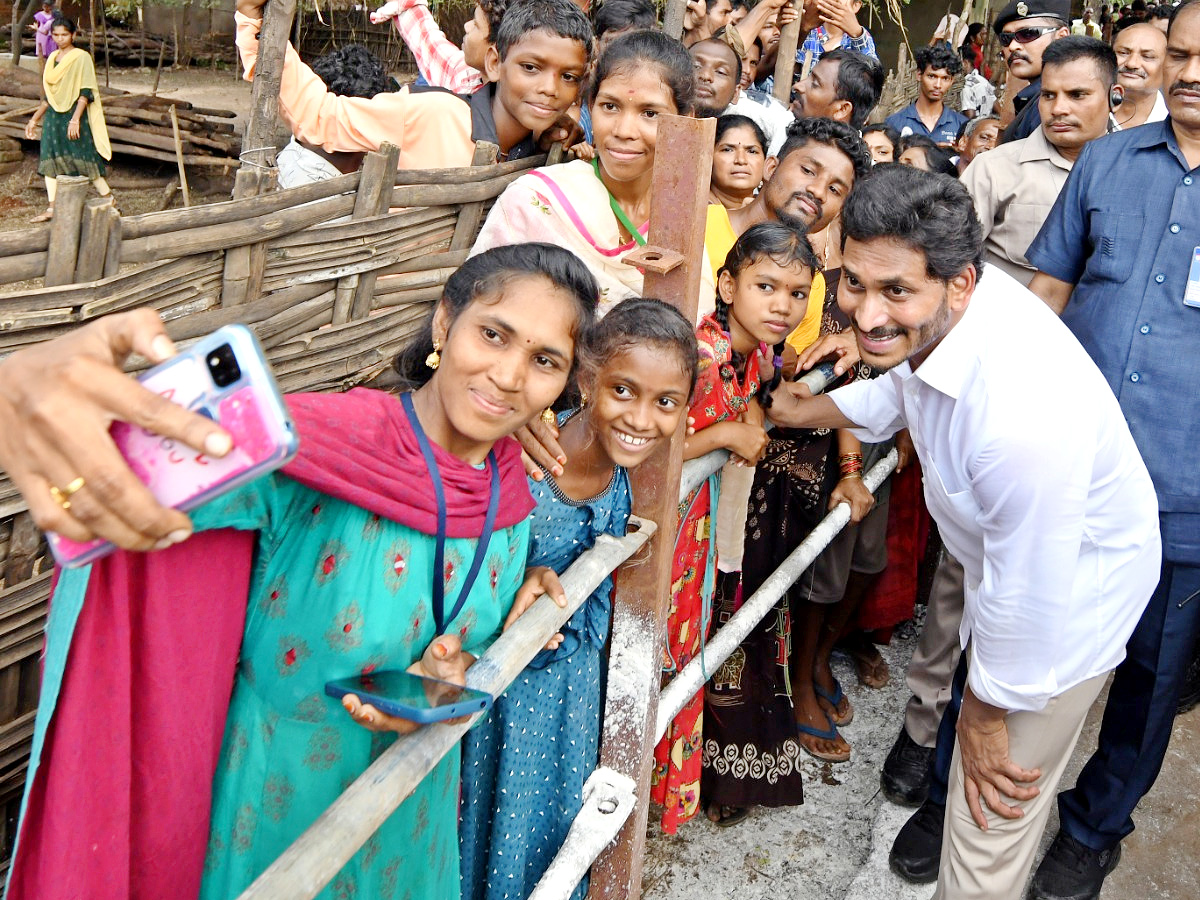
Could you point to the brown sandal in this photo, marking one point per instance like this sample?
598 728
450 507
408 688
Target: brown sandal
46 216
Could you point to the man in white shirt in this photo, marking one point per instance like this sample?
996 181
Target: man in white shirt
1037 489
1140 51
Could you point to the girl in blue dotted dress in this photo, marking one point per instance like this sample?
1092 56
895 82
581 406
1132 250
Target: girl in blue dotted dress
524 766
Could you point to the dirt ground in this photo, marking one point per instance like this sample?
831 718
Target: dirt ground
139 185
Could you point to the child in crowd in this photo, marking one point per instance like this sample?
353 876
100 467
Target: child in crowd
882 140
614 18
738 160
439 62
524 767
349 71
536 67
333 578
762 294
600 209
920 152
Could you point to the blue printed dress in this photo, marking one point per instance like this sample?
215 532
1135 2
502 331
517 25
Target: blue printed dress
337 591
524 766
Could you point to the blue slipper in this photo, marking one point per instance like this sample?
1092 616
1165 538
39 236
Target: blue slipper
830 735
835 700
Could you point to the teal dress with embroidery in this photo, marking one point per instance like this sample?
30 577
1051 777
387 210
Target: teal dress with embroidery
337 591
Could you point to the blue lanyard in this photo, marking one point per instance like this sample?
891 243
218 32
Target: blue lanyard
439 553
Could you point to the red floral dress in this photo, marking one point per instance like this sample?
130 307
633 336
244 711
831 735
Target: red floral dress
721 393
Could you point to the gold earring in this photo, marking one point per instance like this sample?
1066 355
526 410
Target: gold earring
434 359
583 399
548 416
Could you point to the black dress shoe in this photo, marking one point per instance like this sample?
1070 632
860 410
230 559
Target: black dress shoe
1072 871
917 850
905 775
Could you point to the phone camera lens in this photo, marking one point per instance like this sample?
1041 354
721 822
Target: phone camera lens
223 366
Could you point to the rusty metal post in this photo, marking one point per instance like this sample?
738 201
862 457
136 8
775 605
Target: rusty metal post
672 261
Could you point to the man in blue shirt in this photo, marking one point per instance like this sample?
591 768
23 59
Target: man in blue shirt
832 25
1114 258
928 115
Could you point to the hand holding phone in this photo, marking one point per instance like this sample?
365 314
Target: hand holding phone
399 701
223 377
57 401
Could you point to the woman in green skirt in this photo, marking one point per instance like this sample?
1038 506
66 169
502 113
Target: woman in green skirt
72 143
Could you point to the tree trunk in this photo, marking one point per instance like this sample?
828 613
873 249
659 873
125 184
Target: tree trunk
19 23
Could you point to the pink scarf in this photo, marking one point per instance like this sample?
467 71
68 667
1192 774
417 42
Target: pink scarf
140 717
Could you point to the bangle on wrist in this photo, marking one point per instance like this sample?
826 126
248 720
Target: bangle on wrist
846 476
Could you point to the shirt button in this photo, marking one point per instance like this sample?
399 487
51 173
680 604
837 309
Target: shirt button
1174 229
1160 278
1187 179
1135 377
1145 329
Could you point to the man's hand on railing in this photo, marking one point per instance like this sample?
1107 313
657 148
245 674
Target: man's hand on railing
57 401
540 449
443 659
855 493
538 580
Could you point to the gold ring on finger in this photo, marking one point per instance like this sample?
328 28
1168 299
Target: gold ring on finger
62 496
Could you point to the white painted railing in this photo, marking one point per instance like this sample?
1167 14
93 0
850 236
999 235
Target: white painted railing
312 861
319 853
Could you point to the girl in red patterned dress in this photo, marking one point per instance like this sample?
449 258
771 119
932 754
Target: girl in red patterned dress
762 293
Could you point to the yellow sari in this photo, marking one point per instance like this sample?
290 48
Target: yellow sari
64 77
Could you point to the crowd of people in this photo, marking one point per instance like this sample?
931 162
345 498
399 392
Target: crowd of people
938 258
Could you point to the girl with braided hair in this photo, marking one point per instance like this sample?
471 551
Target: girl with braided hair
762 294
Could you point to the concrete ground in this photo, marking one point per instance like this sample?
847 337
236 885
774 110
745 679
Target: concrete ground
835 846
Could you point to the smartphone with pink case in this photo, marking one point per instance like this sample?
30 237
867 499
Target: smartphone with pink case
223 376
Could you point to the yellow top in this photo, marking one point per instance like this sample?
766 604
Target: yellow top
719 238
65 75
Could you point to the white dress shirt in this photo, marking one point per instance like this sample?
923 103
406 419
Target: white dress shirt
1036 486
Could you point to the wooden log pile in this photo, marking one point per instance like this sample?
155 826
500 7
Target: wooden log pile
125 47
138 124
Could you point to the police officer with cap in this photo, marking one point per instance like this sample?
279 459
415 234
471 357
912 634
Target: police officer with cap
1025 28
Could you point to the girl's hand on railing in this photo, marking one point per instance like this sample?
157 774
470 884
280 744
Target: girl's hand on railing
538 580
748 443
540 448
854 492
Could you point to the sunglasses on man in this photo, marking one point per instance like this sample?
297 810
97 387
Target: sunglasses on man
1024 35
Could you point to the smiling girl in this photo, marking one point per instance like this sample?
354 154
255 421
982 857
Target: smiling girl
528 761
337 576
762 295
600 210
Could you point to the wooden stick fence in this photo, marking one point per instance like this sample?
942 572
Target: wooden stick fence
343 284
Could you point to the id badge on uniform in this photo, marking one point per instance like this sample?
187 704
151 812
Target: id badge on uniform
1191 294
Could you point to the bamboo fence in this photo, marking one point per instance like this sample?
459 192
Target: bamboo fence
333 277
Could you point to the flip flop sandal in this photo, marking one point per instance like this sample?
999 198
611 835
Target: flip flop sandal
44 217
830 735
835 700
734 815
